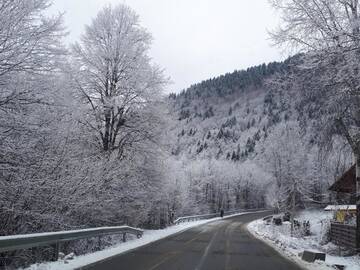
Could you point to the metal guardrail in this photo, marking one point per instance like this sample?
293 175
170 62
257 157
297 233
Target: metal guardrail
16 242
213 215
195 217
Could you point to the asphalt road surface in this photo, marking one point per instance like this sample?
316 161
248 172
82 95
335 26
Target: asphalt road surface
219 245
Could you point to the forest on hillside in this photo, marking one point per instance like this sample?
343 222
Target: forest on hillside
261 134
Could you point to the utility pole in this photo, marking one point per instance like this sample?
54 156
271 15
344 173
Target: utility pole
357 162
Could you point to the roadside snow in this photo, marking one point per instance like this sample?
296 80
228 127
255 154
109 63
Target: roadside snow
279 238
317 220
149 236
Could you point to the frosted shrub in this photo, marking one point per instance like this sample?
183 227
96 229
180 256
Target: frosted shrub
324 236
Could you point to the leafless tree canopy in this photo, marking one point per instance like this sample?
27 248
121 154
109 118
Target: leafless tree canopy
116 78
317 24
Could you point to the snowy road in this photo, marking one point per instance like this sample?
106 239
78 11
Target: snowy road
219 245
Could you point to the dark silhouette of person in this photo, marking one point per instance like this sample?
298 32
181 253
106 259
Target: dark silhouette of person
172 217
222 213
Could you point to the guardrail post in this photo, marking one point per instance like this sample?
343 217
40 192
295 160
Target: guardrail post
56 251
124 237
99 242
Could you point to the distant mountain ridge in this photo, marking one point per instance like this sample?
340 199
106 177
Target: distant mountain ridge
230 83
228 116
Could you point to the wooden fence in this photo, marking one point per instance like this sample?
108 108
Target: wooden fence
343 235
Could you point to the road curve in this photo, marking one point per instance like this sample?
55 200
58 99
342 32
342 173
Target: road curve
221 245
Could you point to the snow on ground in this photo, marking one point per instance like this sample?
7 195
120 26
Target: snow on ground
279 237
149 236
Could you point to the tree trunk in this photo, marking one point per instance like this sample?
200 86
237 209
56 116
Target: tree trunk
357 162
293 206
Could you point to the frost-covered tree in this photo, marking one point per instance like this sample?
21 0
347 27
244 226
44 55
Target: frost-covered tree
286 158
329 32
36 130
208 185
116 79
28 39
31 53
49 151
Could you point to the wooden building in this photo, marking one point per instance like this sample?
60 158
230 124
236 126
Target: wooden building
343 227
346 184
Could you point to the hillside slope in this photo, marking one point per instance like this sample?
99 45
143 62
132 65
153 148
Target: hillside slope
237 142
230 116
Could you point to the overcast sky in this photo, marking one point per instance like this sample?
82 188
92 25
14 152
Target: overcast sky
193 39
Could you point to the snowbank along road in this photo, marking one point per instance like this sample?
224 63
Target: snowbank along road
221 245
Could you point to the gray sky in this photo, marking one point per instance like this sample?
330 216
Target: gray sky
193 39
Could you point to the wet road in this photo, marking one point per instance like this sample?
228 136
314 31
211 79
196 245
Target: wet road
220 245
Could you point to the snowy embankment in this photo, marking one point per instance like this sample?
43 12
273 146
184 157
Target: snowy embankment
149 236
290 247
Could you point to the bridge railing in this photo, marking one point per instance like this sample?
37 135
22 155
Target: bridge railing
213 215
16 242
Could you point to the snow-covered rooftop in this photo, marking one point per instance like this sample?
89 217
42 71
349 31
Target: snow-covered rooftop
340 207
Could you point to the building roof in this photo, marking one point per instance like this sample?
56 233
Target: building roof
346 183
340 207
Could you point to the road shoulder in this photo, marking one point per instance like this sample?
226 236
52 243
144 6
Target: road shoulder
282 250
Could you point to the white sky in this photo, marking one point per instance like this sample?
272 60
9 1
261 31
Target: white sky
193 39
